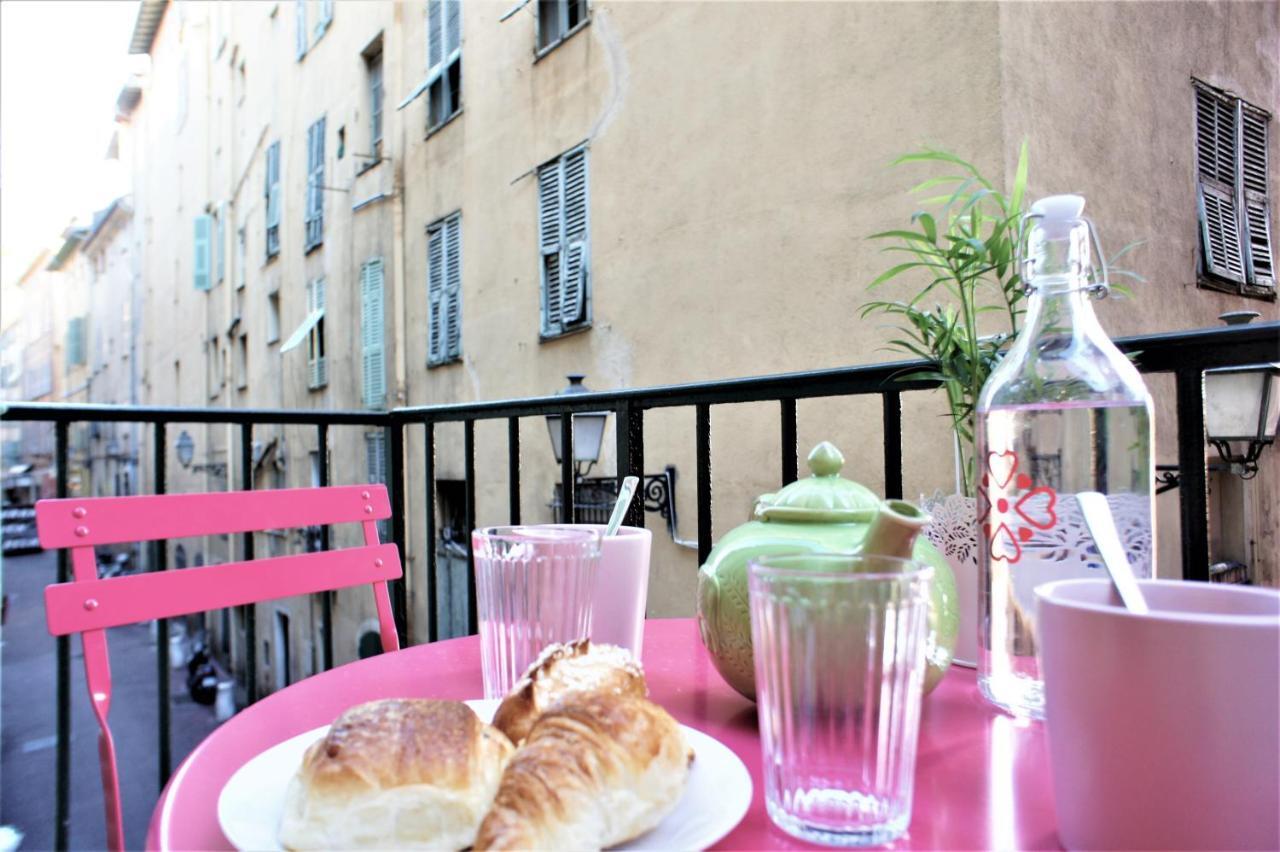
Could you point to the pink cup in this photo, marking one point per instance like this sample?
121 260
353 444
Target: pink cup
1164 729
622 587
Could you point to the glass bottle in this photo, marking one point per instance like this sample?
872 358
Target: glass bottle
1063 412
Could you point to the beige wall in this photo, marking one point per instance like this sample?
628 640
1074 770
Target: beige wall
738 157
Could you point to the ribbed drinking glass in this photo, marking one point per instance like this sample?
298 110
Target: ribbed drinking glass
534 587
839 644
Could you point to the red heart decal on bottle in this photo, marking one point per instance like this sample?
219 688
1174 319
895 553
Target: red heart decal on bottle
1040 513
1004 545
1002 466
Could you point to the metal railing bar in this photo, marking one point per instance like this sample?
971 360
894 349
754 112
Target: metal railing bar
702 440
790 444
567 472
399 588
513 469
249 613
326 598
469 518
429 479
1191 468
892 405
54 411
164 755
62 782
629 439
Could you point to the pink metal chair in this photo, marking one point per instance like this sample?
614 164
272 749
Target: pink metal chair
89 605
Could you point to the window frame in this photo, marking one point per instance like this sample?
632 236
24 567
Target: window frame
565 247
317 363
271 194
440 81
1228 205
541 50
314 219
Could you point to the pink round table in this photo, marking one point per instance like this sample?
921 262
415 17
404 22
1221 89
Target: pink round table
982 779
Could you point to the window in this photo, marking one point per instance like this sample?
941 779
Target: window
373 62
77 355
372 329
282 655
242 362
272 196
557 19
317 370
564 243
214 360
444 61
315 185
273 317
375 448
444 285
241 254
342 141
200 263
1233 206
220 244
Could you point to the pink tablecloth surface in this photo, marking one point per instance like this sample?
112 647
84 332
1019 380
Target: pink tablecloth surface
982 779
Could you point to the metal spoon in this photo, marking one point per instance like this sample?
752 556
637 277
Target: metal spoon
1097 517
620 508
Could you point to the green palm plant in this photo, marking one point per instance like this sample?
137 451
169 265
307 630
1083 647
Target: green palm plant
966 253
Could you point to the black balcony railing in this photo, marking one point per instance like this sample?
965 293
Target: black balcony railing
1184 354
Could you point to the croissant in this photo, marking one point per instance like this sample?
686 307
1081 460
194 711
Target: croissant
598 770
562 670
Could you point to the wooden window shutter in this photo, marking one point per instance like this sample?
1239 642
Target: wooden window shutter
1257 206
376 455
372 332
315 184
272 193
325 18
453 286
549 243
300 29
575 251
1215 166
435 33
435 294
203 238
452 26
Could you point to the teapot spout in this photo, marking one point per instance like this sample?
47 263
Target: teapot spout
894 530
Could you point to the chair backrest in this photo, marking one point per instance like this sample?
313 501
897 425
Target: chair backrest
88 605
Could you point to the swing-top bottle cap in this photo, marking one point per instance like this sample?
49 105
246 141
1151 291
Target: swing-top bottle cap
1062 248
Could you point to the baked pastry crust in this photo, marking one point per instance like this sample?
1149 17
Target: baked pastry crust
398 773
595 771
562 671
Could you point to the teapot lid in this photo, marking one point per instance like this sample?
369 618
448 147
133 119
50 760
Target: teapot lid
823 497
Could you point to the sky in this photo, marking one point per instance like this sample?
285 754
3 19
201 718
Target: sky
62 64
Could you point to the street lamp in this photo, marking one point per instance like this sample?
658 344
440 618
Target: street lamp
588 429
1240 413
186 449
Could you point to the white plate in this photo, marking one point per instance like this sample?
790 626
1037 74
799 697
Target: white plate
715 800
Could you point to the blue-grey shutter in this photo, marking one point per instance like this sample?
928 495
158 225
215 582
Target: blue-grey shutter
452 26
315 184
326 17
453 287
300 29
76 354
1215 167
220 245
1257 205
203 237
575 255
372 331
435 32
435 294
549 244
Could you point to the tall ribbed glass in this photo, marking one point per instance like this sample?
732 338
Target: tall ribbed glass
533 587
839 645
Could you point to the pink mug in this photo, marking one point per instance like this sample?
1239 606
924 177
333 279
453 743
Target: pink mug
1164 729
622 587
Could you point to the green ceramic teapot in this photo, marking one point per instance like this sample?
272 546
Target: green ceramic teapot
823 512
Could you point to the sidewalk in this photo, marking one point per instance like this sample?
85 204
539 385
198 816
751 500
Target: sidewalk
28 717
